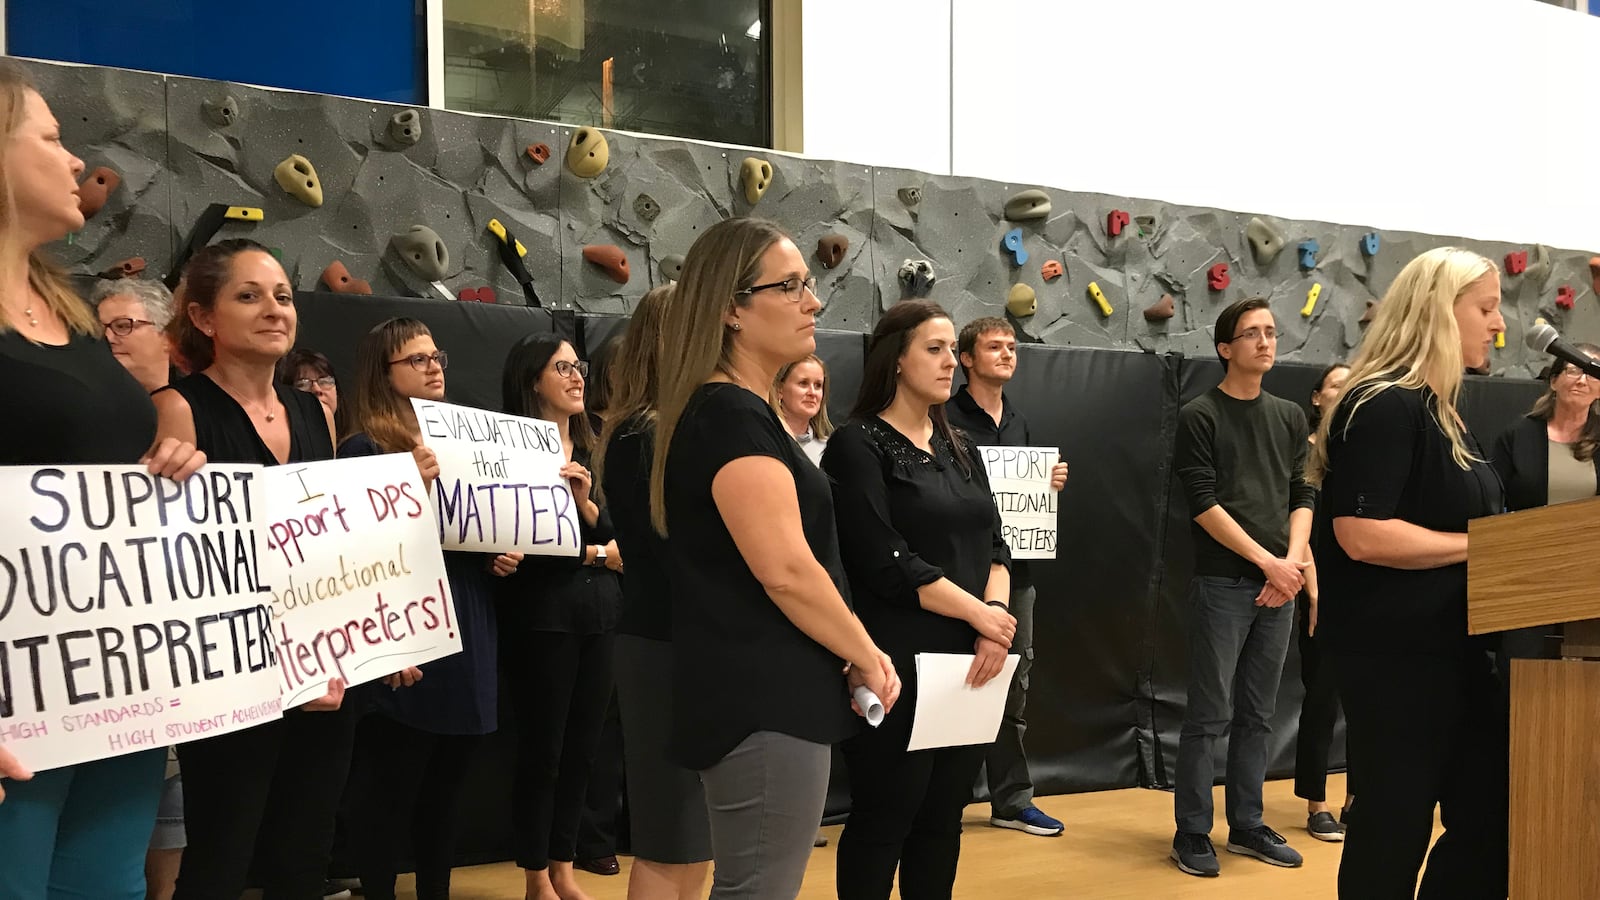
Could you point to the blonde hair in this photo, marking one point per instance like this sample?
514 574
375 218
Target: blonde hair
1412 343
821 425
45 277
695 342
633 375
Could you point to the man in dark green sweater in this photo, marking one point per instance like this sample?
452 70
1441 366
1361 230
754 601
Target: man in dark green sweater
1241 457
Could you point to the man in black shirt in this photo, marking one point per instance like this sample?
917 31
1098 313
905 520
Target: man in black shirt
1241 457
988 355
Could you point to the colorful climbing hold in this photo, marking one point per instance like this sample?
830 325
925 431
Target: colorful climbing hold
1117 220
756 176
1217 277
222 111
1012 244
405 127
831 248
646 207
337 278
1021 301
128 268
910 196
1026 206
1265 242
1516 262
1308 253
483 294
916 278
1161 310
1311 301
1370 243
298 178
539 153
1566 297
1499 342
96 190
671 267
1100 300
587 153
1146 224
423 251
1052 269
610 259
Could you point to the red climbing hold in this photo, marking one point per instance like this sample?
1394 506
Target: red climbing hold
1566 297
338 280
1161 310
483 294
1516 262
96 189
539 153
610 258
128 268
1116 221
1051 269
1217 277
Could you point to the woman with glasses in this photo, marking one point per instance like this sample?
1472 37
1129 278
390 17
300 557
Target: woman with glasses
413 752
134 313
1549 457
311 372
558 619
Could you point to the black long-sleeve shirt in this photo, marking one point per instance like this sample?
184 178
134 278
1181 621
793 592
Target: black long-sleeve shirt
1248 457
981 428
646 592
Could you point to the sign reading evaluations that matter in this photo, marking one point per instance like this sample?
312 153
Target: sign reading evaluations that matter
133 610
1019 477
499 487
358 582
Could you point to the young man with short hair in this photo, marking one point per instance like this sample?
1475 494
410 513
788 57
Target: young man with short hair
987 351
1241 457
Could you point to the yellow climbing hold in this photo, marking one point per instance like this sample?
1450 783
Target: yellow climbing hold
1311 301
1100 299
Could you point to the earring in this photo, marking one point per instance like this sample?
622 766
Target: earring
736 326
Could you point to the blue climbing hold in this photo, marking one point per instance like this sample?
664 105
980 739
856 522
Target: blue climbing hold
1012 244
1308 253
1370 243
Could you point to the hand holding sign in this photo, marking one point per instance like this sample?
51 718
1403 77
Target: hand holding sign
1058 477
12 768
427 465
174 459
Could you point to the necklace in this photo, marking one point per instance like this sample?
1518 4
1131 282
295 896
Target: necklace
269 413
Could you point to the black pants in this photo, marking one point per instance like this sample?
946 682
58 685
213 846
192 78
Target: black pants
905 810
603 815
405 781
270 792
562 685
1426 732
1318 714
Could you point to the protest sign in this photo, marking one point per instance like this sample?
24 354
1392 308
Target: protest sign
133 610
358 581
1019 477
499 487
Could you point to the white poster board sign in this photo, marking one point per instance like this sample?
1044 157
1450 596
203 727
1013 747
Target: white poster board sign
1019 478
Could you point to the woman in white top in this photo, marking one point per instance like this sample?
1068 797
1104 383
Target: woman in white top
800 395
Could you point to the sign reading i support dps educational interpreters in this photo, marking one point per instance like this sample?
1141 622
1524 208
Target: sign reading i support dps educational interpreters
499 487
1019 478
133 610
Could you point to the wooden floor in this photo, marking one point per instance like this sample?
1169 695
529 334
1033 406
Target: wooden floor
1115 847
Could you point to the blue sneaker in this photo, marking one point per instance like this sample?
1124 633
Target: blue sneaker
1031 821
1194 854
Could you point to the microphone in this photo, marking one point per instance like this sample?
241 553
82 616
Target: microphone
1542 338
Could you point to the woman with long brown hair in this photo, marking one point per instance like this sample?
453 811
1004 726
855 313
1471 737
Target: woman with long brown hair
76 830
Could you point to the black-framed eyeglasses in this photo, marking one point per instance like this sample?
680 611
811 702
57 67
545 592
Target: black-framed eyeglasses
790 287
565 369
326 382
1255 334
122 326
421 361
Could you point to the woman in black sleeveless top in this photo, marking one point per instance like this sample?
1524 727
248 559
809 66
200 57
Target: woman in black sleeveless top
268 793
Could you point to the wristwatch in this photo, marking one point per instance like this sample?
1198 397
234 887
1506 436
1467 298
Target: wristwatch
599 556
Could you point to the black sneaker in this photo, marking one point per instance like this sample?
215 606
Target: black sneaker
1266 845
1194 854
1324 827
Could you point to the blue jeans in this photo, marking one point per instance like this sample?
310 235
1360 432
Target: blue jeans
1236 653
80 832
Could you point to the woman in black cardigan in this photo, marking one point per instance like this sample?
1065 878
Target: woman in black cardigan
1549 457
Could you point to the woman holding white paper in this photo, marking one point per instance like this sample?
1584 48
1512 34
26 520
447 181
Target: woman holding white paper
414 750
558 621
760 625
235 320
76 830
930 573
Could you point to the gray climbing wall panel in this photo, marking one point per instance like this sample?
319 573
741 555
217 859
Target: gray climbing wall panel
177 152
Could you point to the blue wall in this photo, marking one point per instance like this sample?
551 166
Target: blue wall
370 49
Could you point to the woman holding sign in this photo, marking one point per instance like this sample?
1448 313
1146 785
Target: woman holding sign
415 750
78 830
560 616
280 781
760 628
930 573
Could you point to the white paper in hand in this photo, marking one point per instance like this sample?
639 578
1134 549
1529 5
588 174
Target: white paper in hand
871 706
950 714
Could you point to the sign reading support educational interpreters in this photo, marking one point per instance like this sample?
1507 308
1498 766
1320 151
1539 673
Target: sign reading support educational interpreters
499 487
133 610
1019 477
358 581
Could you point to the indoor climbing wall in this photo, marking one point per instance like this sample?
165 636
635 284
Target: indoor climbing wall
361 196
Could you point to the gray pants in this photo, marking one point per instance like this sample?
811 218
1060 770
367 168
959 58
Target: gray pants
1010 785
765 799
1236 653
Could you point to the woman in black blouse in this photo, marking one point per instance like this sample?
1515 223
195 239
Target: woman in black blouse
558 621
235 320
82 830
760 628
414 750
930 573
1400 476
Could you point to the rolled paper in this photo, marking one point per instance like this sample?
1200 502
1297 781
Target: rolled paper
871 706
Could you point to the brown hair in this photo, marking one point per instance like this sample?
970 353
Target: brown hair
1229 320
376 408
524 366
821 425
1544 409
633 375
967 341
203 277
44 276
880 379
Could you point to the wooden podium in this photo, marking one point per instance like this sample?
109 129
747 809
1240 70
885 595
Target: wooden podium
1542 567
